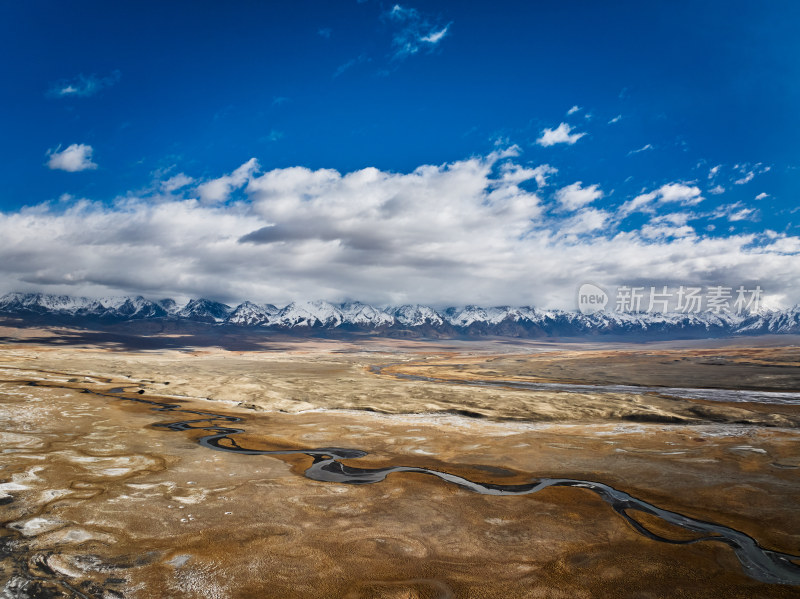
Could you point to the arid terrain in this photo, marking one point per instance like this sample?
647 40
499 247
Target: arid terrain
98 500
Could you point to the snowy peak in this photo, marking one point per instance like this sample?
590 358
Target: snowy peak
205 310
138 307
169 306
773 322
416 315
309 314
468 315
410 319
41 302
364 315
250 314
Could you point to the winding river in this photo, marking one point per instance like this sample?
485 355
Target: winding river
757 562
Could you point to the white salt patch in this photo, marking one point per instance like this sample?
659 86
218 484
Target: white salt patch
179 560
35 526
422 452
77 535
115 471
192 498
5 487
749 448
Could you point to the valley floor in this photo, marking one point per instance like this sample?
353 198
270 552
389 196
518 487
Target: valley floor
97 500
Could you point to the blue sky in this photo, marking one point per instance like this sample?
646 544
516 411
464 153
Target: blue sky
672 126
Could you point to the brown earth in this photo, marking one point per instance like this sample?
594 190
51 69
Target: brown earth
99 503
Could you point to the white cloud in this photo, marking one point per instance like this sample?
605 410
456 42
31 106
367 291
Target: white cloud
587 220
664 231
560 135
712 172
734 212
83 86
686 195
640 203
515 173
463 232
575 196
77 157
402 13
749 172
176 182
673 218
616 119
573 110
219 190
743 214
434 37
762 196
414 32
644 148
717 190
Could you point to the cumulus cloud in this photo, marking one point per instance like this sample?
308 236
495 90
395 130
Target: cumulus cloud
686 195
717 190
471 231
385 213
586 221
515 173
82 86
673 218
575 196
220 189
574 109
414 32
762 196
665 231
560 135
74 158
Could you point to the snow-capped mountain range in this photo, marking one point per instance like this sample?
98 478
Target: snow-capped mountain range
321 316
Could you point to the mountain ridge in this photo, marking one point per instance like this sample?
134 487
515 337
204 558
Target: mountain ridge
408 319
